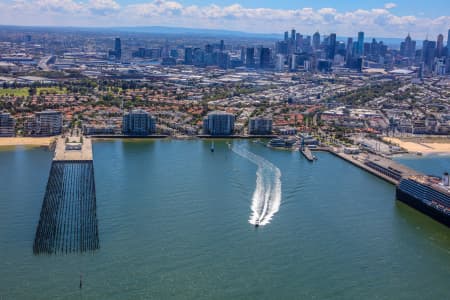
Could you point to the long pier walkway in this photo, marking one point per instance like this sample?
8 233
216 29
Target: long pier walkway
379 166
68 220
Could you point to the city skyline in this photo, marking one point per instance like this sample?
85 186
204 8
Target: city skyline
388 19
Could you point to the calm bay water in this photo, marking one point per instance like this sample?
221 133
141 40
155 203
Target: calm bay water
174 224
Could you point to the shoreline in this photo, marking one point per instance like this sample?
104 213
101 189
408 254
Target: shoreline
47 141
422 145
27 141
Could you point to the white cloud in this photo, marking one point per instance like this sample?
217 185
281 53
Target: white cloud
390 5
46 6
103 4
375 22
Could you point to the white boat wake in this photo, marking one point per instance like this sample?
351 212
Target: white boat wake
266 198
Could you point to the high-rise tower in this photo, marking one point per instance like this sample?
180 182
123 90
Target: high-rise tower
440 46
360 47
332 46
316 40
448 43
118 48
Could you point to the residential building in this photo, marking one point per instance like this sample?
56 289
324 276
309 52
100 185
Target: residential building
7 125
218 123
138 122
44 123
260 125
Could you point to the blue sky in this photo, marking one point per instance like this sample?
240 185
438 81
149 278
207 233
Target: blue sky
392 18
431 8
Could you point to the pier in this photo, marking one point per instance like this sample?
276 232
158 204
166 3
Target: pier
377 165
307 153
68 219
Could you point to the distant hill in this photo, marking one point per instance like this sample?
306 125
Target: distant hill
216 33
197 31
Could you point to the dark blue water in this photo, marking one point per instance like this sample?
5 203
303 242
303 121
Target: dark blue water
174 224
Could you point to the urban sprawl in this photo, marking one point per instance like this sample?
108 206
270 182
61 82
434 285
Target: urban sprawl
110 83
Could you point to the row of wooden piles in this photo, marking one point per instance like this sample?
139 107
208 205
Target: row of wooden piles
68 220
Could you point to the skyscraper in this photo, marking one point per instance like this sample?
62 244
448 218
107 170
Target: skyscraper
349 50
448 43
360 43
223 60
293 34
250 58
118 48
279 62
316 40
408 47
264 58
440 46
286 35
428 53
298 41
243 54
188 56
332 46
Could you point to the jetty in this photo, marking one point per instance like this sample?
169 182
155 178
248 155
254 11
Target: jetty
68 219
377 165
307 153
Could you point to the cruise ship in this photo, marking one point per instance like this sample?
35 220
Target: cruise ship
430 195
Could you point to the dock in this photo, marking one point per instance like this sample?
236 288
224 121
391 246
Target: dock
307 153
377 165
68 219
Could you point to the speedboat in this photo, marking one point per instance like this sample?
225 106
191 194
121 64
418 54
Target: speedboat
257 223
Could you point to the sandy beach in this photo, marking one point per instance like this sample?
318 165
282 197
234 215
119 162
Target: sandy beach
422 145
25 141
